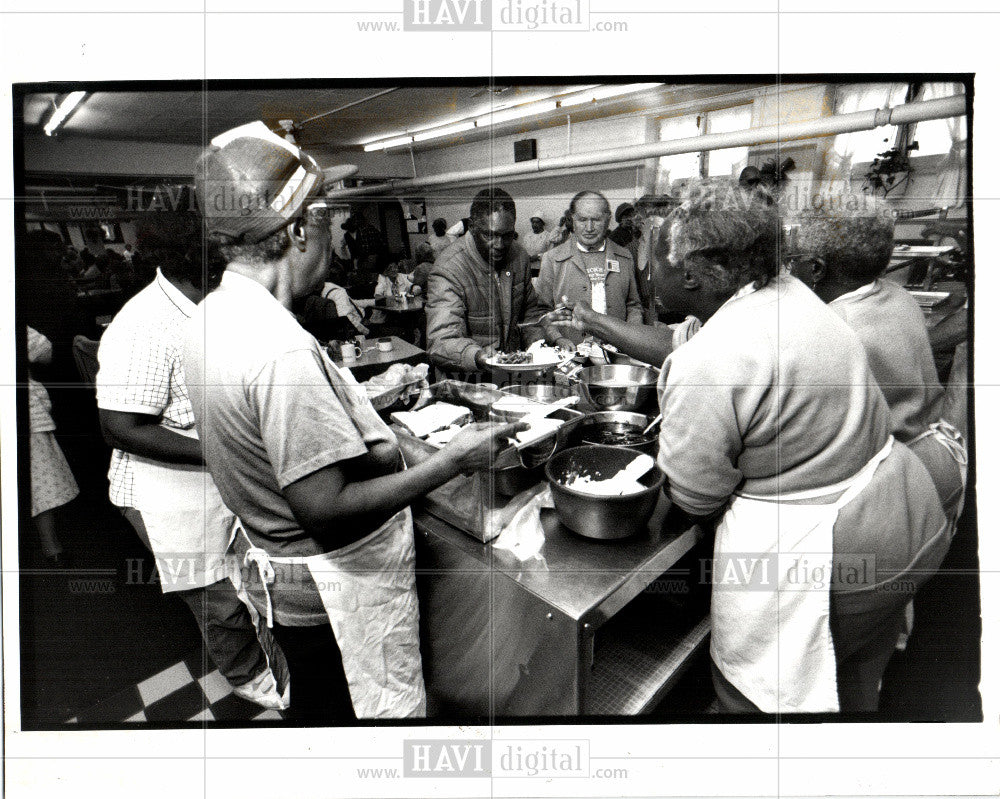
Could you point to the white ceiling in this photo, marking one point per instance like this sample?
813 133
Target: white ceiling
194 117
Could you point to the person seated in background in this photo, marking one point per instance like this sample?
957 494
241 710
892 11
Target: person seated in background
479 293
425 257
844 247
71 263
329 313
157 475
439 239
537 241
91 271
588 269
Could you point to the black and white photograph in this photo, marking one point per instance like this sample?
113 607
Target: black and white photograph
549 430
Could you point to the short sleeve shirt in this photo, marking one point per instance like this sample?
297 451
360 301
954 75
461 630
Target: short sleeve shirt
140 369
271 408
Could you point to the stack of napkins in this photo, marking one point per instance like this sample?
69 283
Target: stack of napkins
432 418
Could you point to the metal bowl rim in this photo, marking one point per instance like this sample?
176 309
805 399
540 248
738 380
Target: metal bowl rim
661 479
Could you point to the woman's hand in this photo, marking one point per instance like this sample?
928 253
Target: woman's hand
475 446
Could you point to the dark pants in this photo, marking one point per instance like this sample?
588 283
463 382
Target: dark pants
863 645
316 671
731 700
226 627
229 633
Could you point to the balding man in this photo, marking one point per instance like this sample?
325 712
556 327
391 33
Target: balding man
588 268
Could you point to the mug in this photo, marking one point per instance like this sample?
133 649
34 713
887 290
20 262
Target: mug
349 351
385 345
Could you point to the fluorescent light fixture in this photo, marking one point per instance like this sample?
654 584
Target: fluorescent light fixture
446 131
517 112
386 143
63 110
605 92
484 119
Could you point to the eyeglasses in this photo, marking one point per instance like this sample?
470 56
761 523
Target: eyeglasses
490 236
317 214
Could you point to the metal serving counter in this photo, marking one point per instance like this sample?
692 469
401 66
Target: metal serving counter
573 632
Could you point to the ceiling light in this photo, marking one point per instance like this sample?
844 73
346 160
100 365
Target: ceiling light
446 131
485 119
386 143
518 112
605 92
63 110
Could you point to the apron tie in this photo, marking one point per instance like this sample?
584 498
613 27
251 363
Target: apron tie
259 558
949 437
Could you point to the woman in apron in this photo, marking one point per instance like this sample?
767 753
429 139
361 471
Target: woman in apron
843 248
775 431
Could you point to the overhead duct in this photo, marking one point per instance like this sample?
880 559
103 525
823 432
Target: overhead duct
825 126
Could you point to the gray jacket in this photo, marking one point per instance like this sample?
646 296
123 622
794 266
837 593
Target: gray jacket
563 273
471 306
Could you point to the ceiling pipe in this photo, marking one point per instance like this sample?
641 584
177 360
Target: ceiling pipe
907 113
344 107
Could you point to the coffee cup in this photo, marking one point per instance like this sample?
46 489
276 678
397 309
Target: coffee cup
349 351
385 345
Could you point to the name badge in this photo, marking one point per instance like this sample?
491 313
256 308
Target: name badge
613 266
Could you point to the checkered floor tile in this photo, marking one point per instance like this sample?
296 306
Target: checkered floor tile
190 690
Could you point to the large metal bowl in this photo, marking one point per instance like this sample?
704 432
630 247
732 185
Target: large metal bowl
539 392
597 428
594 516
618 388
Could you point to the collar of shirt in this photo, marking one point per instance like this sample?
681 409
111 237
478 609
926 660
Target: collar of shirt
747 290
235 282
174 294
857 293
602 248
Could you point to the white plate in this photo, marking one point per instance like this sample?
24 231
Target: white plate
528 367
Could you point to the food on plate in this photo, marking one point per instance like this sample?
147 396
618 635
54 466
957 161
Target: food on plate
432 418
509 358
538 354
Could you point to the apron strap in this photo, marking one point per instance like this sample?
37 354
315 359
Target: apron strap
259 558
949 437
830 490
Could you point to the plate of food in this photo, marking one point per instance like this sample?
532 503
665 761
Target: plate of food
538 357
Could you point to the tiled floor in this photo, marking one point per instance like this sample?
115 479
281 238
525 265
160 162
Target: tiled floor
189 690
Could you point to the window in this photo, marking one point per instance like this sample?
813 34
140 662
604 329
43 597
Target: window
728 162
863 146
709 163
678 167
937 136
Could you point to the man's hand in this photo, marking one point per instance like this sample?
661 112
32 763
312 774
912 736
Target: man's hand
579 316
475 446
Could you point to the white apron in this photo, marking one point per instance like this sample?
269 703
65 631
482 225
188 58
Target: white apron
771 633
368 590
187 522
